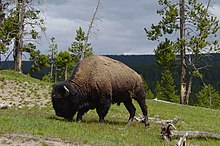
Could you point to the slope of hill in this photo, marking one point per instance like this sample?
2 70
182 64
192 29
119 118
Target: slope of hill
38 125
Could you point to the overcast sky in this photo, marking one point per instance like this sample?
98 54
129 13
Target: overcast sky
120 31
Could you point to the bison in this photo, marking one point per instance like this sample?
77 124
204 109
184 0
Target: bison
96 83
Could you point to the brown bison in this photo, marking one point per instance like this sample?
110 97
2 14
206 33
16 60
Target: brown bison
97 82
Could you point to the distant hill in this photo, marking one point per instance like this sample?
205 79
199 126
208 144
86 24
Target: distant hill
26 68
134 59
9 66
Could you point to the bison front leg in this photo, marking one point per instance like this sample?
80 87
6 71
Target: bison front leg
131 109
102 110
80 114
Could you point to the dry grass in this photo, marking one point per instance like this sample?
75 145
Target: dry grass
23 93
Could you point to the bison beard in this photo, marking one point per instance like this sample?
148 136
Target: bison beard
97 82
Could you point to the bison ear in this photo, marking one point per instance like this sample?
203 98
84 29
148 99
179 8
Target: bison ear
67 91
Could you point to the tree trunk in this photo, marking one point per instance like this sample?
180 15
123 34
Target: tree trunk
183 99
1 19
18 44
1 11
51 70
52 64
66 72
189 90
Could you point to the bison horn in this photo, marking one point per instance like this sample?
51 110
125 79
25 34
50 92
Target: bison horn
67 90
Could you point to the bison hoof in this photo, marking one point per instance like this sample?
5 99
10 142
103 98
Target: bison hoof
69 119
146 125
78 121
129 122
101 121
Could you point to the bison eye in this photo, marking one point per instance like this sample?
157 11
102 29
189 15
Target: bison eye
56 96
53 96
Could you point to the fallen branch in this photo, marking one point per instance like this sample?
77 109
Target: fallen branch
195 134
140 118
163 101
182 141
168 131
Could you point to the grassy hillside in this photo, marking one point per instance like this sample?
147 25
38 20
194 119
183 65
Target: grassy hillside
19 91
40 121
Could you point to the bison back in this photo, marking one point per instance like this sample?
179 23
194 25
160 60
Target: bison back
104 75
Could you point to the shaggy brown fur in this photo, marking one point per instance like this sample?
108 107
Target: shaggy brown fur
98 81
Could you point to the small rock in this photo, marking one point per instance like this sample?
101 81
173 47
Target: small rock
25 83
4 106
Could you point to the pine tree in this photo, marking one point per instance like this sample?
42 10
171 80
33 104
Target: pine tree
197 30
208 97
77 47
7 24
168 87
64 64
149 94
2 47
40 61
165 55
158 91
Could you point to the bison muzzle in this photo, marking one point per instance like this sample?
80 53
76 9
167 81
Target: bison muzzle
96 83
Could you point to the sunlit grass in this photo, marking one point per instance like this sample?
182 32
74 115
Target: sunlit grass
115 131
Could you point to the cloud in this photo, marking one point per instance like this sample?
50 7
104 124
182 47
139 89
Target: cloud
216 10
121 30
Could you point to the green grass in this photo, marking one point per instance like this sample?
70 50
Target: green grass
43 122
15 76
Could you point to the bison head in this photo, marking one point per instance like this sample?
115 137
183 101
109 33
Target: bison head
64 100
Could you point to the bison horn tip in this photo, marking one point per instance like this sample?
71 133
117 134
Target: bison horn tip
67 90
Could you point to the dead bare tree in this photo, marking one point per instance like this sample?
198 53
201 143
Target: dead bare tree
90 28
1 12
182 52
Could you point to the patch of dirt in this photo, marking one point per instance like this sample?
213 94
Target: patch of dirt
18 95
23 94
29 140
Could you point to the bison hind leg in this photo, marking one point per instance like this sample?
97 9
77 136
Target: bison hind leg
131 109
142 103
